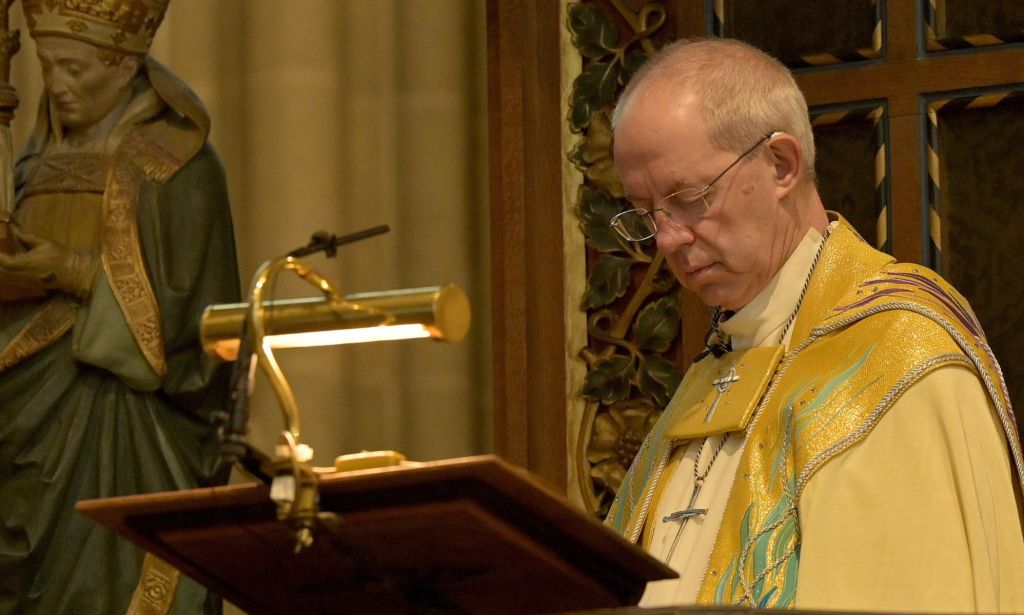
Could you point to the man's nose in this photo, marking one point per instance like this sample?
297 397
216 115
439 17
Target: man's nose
672 235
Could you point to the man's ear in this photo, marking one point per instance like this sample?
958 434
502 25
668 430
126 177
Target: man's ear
787 160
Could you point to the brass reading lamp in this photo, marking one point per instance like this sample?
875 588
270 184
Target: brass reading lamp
247 333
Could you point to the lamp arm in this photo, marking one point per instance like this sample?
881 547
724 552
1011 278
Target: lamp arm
294 484
265 277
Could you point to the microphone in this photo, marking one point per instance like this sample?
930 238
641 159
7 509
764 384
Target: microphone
322 241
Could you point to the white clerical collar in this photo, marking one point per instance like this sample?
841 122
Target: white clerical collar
760 322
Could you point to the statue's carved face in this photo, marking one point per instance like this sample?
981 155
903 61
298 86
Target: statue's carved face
82 89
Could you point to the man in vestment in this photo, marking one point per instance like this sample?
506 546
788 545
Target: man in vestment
123 218
846 441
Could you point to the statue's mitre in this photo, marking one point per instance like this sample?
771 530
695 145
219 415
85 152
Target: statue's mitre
122 25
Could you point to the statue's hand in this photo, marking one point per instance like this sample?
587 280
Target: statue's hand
58 267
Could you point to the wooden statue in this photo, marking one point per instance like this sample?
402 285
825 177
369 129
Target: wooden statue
123 231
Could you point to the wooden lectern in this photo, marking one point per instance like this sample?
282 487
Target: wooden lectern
473 535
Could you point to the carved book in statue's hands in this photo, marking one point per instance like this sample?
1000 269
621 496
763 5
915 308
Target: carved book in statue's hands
14 288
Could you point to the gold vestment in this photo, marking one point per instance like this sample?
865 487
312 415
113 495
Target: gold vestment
868 330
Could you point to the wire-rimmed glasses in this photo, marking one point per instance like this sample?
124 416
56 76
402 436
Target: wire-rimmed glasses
638 223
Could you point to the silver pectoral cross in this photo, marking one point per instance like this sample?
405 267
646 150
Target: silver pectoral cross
722 384
684 515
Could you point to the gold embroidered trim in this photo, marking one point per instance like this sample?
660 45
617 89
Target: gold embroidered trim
68 173
158 163
122 260
927 367
155 592
51 322
981 359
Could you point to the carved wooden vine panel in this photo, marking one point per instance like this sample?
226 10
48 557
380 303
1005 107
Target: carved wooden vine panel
631 298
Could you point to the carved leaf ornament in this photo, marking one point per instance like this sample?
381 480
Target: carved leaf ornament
631 298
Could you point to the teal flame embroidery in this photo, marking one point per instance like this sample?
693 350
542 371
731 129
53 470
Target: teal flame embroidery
777 543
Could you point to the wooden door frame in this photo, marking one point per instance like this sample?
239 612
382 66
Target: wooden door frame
528 287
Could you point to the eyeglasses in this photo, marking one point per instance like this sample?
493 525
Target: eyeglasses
638 224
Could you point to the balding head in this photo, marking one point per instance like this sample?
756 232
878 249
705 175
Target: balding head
742 93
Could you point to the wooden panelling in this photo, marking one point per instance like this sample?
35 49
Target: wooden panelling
981 220
851 168
526 236
801 33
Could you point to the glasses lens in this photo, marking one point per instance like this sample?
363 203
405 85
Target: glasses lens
635 225
686 204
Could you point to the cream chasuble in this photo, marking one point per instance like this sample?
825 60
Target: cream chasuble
867 543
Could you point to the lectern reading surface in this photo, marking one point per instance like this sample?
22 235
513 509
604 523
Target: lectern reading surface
473 535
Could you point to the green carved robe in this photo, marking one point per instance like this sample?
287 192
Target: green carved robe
112 395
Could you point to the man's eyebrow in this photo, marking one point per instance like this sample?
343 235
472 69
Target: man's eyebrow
636 199
678 185
674 188
684 184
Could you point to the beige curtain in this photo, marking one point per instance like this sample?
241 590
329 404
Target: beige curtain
340 115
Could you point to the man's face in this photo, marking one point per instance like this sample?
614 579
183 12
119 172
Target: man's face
728 254
83 89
